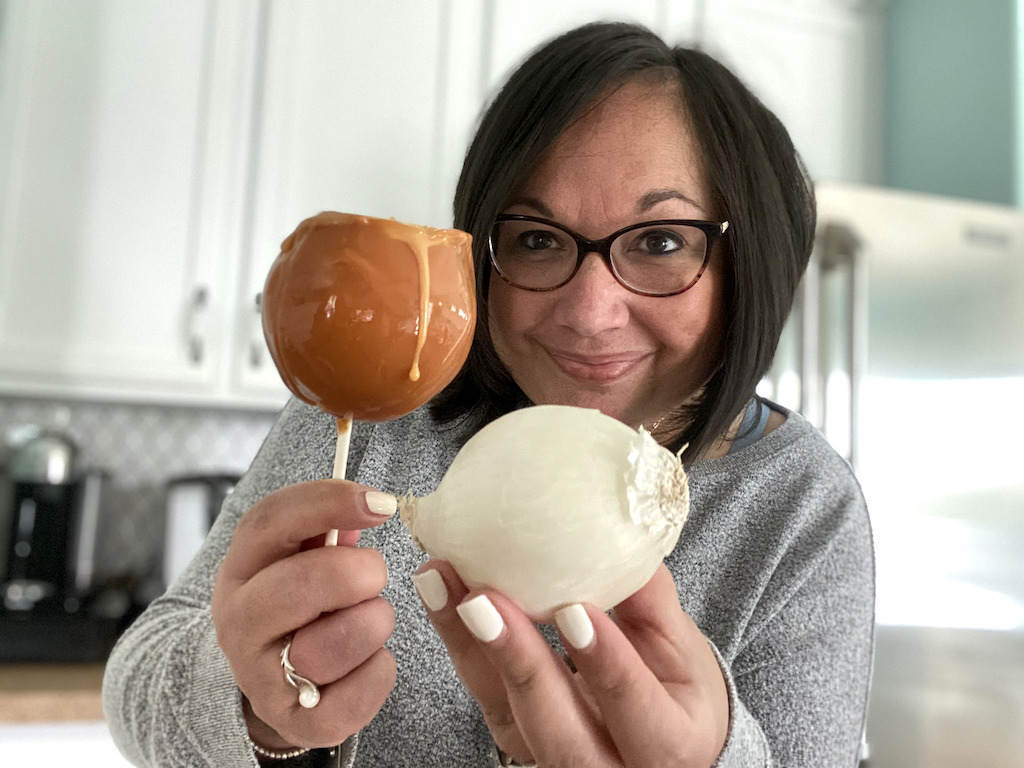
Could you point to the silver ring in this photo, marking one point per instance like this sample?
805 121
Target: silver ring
309 694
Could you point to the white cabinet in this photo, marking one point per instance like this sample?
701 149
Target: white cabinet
355 115
153 155
123 164
98 151
515 27
158 155
818 64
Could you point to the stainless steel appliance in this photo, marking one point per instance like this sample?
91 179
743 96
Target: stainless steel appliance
907 350
51 548
193 502
48 589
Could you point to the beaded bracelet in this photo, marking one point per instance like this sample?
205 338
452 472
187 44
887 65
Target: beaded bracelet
285 755
505 760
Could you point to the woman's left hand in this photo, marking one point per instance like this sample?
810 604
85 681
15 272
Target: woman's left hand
647 690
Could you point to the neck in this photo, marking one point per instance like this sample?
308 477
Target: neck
662 431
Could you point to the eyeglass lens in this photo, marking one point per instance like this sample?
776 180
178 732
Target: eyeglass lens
657 258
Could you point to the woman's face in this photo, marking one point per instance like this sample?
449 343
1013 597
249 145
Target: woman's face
592 343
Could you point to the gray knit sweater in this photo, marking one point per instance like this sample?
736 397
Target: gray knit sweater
774 564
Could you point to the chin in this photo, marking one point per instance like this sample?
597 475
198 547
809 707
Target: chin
605 405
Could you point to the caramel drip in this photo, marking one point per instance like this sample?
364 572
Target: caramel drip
341 446
421 248
419 240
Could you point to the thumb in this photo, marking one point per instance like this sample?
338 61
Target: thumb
285 521
658 627
655 600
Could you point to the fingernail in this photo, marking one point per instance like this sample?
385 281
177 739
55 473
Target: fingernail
575 625
481 618
381 503
431 589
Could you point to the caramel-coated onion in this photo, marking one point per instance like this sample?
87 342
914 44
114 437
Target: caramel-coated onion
367 317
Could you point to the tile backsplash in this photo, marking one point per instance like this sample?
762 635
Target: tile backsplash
141 447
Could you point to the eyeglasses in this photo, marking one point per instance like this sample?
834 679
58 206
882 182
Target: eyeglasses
653 258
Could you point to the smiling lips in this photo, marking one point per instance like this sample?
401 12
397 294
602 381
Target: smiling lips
600 369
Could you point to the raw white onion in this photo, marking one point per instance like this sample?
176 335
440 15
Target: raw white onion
552 505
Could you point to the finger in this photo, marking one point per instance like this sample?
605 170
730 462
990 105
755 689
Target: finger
653 661
678 653
556 723
641 717
357 698
441 591
352 687
345 706
278 524
663 634
335 644
295 591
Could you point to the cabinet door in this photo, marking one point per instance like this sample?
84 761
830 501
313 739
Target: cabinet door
818 66
516 27
123 151
99 284
353 117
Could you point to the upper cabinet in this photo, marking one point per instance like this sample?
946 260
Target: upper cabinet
124 163
353 116
515 27
818 64
154 155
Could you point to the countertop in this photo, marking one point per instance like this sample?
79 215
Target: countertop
32 693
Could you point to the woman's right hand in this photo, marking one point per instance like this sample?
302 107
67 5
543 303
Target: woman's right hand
279 581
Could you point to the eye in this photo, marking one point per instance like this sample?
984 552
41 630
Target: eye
537 240
659 242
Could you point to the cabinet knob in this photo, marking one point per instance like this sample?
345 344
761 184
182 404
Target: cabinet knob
197 324
256 344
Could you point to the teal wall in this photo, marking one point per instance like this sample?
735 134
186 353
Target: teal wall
952 100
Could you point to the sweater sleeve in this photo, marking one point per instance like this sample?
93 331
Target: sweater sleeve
799 685
169 696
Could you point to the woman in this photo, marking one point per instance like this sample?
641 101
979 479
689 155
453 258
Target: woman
750 647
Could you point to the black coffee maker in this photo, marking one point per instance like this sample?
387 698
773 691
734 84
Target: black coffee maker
48 554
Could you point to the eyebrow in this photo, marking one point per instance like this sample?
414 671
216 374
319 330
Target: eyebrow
656 196
532 202
648 201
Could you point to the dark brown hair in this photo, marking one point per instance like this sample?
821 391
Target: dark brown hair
756 180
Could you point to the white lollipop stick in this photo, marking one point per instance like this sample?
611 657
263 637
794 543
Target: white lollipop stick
340 462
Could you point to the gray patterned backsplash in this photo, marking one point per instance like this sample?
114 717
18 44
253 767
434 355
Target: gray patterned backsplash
141 447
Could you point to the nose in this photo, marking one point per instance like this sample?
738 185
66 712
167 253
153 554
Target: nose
593 301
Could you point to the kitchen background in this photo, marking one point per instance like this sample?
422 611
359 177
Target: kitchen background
154 154
142 446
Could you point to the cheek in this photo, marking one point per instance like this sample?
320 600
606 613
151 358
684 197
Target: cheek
712 337
508 315
716 307
696 331
497 312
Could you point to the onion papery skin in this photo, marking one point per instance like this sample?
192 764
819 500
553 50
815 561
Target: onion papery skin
553 505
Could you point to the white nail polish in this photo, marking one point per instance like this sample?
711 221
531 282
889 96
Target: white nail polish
574 623
481 618
381 503
431 589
